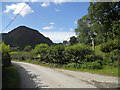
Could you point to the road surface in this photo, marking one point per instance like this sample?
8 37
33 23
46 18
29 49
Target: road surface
35 76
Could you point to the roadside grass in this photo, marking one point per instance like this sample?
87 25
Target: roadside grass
107 70
10 77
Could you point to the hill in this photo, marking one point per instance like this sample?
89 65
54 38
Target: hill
22 36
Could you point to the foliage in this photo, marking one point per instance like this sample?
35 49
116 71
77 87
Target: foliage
27 48
10 77
41 50
77 53
92 65
106 15
73 40
73 65
83 30
65 42
6 59
14 49
21 55
56 54
110 45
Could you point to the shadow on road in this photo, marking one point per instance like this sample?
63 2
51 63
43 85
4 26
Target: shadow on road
28 80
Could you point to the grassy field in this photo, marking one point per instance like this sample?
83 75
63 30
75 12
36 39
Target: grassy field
10 77
107 70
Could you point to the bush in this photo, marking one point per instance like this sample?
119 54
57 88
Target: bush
77 53
110 46
6 59
92 65
112 57
53 65
27 48
73 65
96 65
10 77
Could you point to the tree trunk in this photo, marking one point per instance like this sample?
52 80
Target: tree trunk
93 47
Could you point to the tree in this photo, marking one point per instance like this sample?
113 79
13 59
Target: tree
27 48
65 42
41 50
83 30
107 16
73 40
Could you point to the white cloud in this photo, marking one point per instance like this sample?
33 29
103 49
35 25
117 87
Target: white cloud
48 28
59 36
45 4
16 8
58 1
52 23
71 29
57 10
75 22
30 0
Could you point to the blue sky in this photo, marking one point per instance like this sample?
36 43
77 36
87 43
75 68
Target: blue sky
54 20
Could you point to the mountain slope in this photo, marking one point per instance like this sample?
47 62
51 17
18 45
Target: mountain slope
22 36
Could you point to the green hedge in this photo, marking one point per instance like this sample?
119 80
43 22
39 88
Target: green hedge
110 46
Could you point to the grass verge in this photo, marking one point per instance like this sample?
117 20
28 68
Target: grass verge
10 77
107 70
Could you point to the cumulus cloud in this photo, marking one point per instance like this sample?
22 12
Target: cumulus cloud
57 10
52 23
59 36
17 7
48 28
71 29
45 4
58 1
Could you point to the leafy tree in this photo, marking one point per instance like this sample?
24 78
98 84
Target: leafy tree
107 16
41 50
40 47
83 30
65 42
27 48
73 40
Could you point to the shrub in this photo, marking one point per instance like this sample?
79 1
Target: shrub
92 65
27 48
77 53
110 46
112 57
73 65
6 59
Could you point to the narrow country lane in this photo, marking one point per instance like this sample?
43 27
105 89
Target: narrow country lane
35 76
